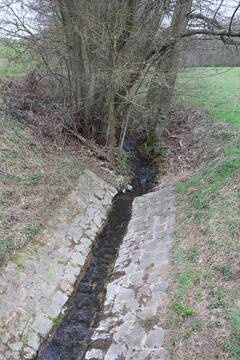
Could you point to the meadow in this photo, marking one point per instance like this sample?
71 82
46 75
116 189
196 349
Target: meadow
204 314
14 59
213 89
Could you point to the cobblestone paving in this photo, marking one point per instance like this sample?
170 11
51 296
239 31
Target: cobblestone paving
131 323
36 284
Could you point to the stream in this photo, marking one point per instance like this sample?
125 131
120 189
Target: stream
71 337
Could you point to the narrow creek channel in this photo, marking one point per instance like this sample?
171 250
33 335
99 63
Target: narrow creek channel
71 338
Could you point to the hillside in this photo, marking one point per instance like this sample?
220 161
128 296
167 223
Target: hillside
203 316
35 175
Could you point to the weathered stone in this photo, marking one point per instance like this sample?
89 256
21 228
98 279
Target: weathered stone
29 353
116 351
71 274
154 339
16 346
78 259
98 220
136 354
7 355
75 233
4 338
60 298
99 194
33 284
139 291
34 341
94 354
84 245
135 338
42 325
122 332
66 287
54 310
30 294
91 211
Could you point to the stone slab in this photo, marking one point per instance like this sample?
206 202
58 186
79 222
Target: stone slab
135 298
36 284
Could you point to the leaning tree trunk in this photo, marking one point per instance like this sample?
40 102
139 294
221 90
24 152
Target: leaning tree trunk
163 83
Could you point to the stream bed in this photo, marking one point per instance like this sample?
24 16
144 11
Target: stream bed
71 337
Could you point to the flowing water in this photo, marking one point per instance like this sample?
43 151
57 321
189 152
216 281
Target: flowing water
71 338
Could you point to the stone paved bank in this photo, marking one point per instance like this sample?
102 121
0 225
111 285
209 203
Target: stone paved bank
36 284
131 323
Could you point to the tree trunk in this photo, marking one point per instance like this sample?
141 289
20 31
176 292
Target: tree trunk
163 83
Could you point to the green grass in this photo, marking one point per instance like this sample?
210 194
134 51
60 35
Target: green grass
182 310
148 323
205 289
216 90
34 177
15 60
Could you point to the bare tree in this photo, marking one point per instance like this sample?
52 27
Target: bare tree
188 18
99 50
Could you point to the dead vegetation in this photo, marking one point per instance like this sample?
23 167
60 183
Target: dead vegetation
36 101
35 175
41 161
203 317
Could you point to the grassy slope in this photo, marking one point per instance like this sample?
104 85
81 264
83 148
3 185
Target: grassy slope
204 313
13 60
215 90
34 176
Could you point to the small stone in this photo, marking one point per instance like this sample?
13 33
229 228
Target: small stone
154 339
15 355
66 287
78 259
34 341
91 211
54 310
101 336
112 291
60 298
107 200
75 233
161 259
86 220
84 245
91 234
159 288
98 221
42 325
116 351
94 354
7 355
99 194
71 274
5 338
136 336
29 353
16 346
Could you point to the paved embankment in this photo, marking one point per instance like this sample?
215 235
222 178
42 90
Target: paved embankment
36 284
131 322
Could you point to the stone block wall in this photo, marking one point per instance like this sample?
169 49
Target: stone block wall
37 283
